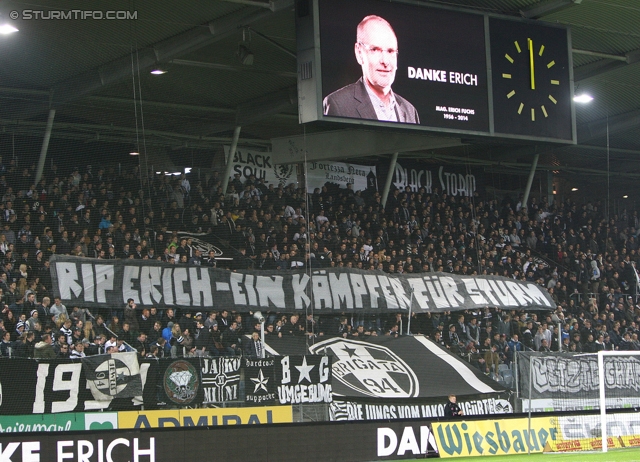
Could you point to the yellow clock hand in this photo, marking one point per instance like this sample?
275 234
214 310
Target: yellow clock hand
533 74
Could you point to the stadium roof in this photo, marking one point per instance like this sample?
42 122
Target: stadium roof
88 70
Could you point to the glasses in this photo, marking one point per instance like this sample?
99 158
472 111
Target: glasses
377 51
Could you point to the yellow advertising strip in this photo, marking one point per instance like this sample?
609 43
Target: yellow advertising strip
494 437
574 433
205 417
594 444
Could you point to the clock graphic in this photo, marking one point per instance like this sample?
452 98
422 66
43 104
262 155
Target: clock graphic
540 71
531 80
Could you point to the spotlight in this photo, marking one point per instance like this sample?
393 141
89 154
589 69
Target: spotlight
583 98
574 189
7 29
625 197
134 153
258 316
245 55
158 71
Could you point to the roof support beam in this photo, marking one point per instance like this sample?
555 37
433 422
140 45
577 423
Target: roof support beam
259 108
228 67
605 65
128 101
251 3
45 145
599 55
232 153
100 131
532 173
544 8
274 43
266 106
272 5
520 166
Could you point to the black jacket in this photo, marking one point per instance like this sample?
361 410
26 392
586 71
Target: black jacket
451 409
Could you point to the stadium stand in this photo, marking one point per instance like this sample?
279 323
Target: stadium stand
585 262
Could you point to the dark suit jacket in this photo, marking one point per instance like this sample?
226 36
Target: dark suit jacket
251 350
353 101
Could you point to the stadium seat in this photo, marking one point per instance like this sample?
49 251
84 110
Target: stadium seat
507 378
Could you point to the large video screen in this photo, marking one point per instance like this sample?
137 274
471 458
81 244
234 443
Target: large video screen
373 62
404 64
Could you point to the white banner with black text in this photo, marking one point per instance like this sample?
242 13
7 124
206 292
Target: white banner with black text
360 177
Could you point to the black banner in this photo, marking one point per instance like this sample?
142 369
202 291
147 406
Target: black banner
329 441
304 379
220 379
488 404
288 380
28 386
205 243
115 383
181 382
260 381
448 179
17 396
393 368
96 283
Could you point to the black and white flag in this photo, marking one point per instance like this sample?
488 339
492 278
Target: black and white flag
304 379
392 368
260 381
220 378
113 375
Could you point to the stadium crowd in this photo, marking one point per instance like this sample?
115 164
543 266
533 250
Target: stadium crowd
585 261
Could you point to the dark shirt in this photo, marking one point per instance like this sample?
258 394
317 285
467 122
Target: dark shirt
451 410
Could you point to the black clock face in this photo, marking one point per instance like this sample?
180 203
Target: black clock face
531 86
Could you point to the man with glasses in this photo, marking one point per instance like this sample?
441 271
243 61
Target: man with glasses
371 97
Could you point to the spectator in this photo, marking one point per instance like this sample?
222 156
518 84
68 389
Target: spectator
6 345
254 347
451 409
231 341
203 341
492 360
78 351
24 346
141 345
473 332
64 351
453 341
544 346
514 346
626 344
126 334
58 309
44 348
131 316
